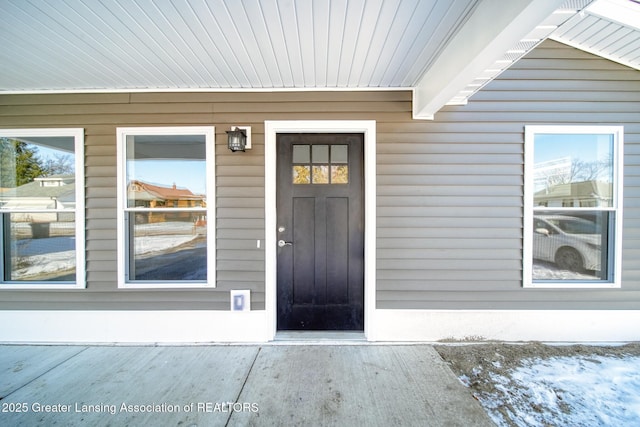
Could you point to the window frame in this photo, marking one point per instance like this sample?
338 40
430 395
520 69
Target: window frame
122 232
79 212
615 249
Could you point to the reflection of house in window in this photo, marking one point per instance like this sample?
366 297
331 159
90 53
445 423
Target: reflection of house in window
44 193
577 194
145 195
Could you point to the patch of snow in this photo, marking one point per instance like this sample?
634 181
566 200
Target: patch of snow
53 262
151 245
476 371
548 271
577 391
41 257
156 238
465 380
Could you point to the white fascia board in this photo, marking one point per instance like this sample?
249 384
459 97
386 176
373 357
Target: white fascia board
493 27
73 91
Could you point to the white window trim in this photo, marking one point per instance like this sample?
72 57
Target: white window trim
209 133
618 147
78 137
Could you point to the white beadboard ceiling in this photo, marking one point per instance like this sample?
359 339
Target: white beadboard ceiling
609 28
444 50
186 44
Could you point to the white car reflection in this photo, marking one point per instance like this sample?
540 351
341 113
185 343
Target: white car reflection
571 243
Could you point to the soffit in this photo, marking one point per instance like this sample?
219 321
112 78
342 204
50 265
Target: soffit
211 44
187 45
608 28
528 42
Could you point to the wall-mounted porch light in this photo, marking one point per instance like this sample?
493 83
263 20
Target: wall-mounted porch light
239 138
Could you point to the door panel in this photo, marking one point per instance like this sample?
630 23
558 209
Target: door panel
304 250
321 213
338 244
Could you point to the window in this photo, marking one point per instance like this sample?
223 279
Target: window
312 164
166 212
42 208
573 206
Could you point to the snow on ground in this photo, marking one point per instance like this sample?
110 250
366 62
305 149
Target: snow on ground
40 257
534 384
568 391
151 245
548 271
46 264
156 238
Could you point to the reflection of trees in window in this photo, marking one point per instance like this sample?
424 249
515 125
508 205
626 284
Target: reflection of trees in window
59 164
573 185
577 171
574 182
40 214
590 171
20 163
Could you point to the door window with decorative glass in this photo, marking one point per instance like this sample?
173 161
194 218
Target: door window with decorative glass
320 164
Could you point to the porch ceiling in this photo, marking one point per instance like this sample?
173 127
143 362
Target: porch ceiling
609 28
442 49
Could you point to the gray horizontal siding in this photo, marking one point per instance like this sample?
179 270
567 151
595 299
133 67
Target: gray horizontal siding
240 181
449 191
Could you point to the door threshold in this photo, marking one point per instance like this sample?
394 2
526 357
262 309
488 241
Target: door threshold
320 338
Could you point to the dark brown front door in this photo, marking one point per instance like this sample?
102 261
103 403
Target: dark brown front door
320 232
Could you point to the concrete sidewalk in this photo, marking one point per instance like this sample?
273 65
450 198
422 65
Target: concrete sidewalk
261 385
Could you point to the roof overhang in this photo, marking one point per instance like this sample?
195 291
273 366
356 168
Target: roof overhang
475 47
441 50
607 28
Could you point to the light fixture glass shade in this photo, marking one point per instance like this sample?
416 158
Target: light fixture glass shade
237 139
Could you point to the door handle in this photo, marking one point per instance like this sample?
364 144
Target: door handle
282 243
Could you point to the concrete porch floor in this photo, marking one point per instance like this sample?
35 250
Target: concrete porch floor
234 385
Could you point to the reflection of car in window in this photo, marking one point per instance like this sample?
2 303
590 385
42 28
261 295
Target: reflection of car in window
571 243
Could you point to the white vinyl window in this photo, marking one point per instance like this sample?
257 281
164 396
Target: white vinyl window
166 212
573 206
42 209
